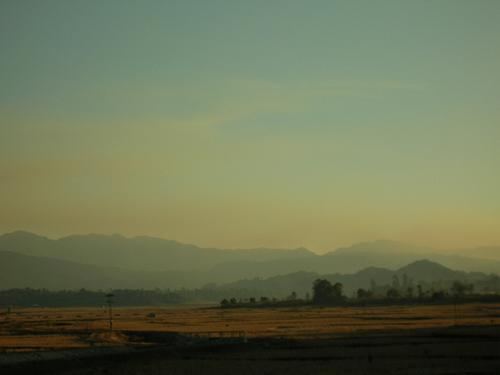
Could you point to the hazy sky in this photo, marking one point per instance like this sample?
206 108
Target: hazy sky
252 123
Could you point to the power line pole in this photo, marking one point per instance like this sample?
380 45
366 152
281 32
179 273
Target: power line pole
455 311
109 301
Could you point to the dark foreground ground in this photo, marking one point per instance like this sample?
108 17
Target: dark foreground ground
462 350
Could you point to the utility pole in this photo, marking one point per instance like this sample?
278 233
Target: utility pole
455 311
109 301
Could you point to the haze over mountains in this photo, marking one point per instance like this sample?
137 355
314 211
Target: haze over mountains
101 261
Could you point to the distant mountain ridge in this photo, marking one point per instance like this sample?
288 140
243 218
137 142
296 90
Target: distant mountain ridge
151 262
25 271
383 247
136 253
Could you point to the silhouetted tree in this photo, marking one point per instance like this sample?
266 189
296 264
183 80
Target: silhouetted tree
459 289
438 295
469 288
405 281
362 293
409 292
420 291
395 282
393 293
324 292
337 290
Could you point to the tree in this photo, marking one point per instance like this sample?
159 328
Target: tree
324 292
395 282
420 291
438 295
458 288
409 292
405 281
393 293
224 303
362 293
337 290
470 288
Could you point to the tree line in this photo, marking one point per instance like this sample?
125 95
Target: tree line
326 293
29 297
323 292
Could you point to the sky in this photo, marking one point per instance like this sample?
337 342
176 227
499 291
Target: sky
252 123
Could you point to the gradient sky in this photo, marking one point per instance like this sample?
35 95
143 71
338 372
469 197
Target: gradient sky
252 123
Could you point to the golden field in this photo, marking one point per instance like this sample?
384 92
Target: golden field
58 328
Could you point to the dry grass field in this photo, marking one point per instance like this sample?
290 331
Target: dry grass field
47 328
371 340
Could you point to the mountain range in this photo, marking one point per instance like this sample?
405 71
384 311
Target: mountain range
102 261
